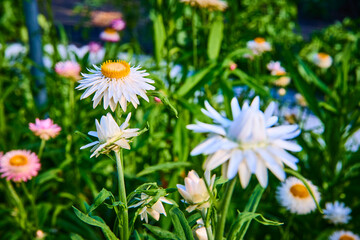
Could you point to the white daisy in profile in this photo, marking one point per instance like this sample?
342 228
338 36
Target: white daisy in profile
110 136
195 191
248 144
115 82
322 60
258 46
155 210
294 196
337 212
344 235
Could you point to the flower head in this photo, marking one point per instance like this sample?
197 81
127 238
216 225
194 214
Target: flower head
110 136
195 192
344 235
110 35
277 70
45 129
94 47
232 66
322 60
118 24
294 196
154 210
68 69
337 213
258 46
247 144
216 5
115 82
19 165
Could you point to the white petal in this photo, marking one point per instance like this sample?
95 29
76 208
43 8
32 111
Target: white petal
244 174
235 160
235 108
287 145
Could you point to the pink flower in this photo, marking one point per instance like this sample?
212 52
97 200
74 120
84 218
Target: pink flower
68 69
118 24
19 165
233 66
94 47
157 100
110 35
45 129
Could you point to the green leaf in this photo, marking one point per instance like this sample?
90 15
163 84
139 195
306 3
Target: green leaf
192 81
251 82
215 38
304 180
100 198
163 167
74 236
51 174
98 222
159 35
182 228
159 232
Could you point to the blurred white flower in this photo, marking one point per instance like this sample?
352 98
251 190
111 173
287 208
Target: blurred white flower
14 50
300 100
247 144
115 82
216 5
294 196
110 136
322 60
258 46
155 210
195 192
277 70
337 213
344 235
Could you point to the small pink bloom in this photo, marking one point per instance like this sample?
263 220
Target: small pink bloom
118 24
45 129
110 35
233 66
19 165
157 100
68 69
94 47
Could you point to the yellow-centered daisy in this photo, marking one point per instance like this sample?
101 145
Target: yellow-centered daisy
115 82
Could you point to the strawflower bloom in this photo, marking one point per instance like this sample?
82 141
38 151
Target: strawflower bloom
195 192
115 82
94 47
155 210
69 69
322 60
248 144
110 35
45 129
118 24
216 5
337 213
110 136
344 235
258 46
277 70
294 196
19 165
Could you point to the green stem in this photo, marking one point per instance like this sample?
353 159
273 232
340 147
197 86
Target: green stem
19 205
287 230
41 148
124 224
207 225
224 209
193 24
32 202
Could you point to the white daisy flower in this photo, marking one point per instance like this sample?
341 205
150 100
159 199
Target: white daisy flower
258 46
115 82
322 60
294 196
344 235
155 210
111 136
247 144
195 192
337 213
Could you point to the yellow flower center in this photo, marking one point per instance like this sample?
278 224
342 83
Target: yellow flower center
323 56
115 69
300 191
18 160
259 40
280 73
110 31
346 237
